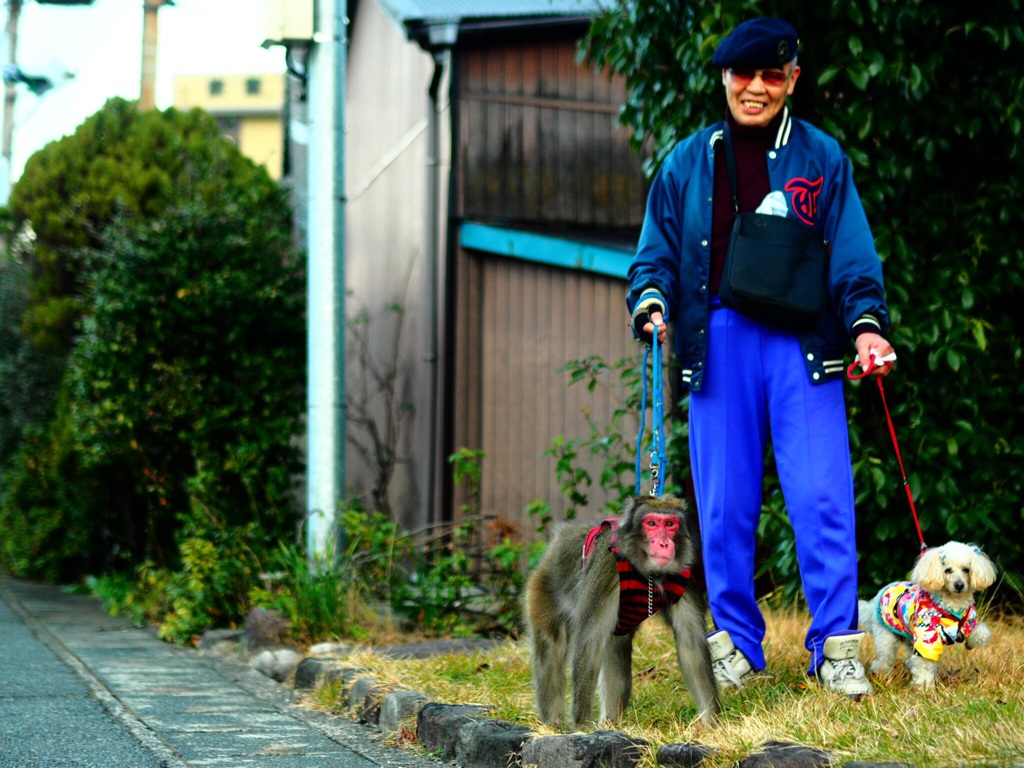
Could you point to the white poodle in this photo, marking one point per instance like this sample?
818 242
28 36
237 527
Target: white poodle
932 610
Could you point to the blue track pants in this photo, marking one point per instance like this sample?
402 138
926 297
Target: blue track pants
756 388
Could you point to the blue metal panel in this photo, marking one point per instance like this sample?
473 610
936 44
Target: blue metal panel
432 10
542 249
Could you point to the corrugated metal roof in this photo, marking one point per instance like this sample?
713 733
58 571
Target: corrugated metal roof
405 11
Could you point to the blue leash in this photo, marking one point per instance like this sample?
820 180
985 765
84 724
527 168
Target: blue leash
657 422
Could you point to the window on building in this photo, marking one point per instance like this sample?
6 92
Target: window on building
216 87
252 86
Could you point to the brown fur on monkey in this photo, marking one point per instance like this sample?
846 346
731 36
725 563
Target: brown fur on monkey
572 610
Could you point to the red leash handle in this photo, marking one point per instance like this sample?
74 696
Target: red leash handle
892 430
875 360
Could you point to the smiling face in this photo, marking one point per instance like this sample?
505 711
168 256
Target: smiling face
755 97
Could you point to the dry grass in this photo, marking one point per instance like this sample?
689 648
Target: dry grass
974 716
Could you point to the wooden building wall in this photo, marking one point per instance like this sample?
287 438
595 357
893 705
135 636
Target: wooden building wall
519 324
539 140
538 147
532 141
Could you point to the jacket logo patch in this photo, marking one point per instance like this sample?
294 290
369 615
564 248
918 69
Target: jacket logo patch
805 197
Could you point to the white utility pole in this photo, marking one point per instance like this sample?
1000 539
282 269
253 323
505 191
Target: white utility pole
147 88
10 96
325 412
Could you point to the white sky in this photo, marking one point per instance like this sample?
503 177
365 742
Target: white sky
102 45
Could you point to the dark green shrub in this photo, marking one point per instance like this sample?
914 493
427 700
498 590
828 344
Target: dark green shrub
179 384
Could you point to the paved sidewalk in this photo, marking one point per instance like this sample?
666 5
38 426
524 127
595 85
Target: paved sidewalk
80 688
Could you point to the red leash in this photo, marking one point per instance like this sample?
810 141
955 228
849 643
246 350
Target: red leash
892 433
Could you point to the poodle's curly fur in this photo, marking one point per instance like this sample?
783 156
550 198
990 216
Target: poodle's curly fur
952 575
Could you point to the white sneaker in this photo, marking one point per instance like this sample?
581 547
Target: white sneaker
730 665
842 672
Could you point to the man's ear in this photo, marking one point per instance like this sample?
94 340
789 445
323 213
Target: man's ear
792 80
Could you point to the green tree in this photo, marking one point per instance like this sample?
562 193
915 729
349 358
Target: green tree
927 98
23 375
177 388
118 160
187 372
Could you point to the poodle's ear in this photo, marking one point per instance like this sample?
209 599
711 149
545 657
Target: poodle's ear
928 570
983 570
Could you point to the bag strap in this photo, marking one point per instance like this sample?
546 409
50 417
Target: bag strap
730 165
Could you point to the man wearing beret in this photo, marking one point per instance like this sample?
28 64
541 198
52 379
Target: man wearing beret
750 380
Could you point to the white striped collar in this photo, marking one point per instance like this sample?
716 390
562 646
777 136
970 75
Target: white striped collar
781 136
785 127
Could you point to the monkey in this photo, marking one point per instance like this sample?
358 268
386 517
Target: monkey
572 609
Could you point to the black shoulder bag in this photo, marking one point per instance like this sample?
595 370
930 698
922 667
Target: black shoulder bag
776 269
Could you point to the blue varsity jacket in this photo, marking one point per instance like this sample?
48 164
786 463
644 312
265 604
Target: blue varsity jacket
673 259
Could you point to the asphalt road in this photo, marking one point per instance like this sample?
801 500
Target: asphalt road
80 689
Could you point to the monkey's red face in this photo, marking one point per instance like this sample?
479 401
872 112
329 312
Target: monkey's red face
661 531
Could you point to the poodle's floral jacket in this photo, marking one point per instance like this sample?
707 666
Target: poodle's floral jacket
910 611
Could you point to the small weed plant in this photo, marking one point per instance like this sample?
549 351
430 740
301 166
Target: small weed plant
461 578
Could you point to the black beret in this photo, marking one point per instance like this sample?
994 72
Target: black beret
759 43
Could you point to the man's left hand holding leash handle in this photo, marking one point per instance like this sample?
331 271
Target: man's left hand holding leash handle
875 355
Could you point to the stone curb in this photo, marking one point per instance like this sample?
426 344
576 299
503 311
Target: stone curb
470 736
438 725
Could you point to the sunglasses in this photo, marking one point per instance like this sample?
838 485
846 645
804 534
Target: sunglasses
770 77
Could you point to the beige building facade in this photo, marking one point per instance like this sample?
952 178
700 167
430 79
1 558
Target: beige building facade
249 108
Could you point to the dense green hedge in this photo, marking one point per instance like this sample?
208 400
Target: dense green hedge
927 98
154 295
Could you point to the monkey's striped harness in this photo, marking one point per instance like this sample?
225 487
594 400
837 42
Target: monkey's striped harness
637 600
